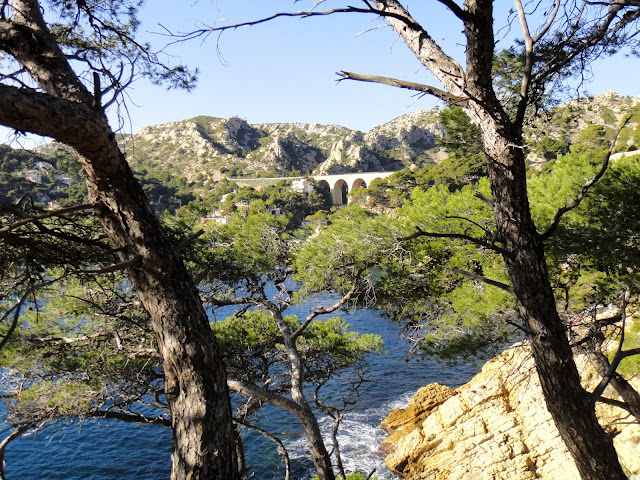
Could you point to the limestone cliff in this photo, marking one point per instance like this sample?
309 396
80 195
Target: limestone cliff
214 146
495 427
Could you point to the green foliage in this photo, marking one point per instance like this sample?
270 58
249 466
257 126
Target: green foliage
461 137
507 69
58 399
252 346
342 252
246 249
459 316
549 148
587 267
593 141
78 352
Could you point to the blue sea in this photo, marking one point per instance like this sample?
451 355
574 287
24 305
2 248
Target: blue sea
113 450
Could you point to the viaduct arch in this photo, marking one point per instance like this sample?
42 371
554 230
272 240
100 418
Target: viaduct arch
341 185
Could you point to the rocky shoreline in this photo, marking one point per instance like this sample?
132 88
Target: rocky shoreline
495 427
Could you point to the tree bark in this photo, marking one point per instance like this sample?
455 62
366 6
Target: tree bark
204 438
569 404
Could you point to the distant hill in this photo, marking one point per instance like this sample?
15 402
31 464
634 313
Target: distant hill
555 131
209 147
175 161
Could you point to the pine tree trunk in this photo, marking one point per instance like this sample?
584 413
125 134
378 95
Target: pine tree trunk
319 453
472 88
204 438
569 404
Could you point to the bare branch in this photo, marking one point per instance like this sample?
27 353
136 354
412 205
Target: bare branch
130 417
333 308
572 47
421 233
276 440
134 262
394 82
546 28
189 240
457 217
528 65
54 213
203 32
8 439
17 309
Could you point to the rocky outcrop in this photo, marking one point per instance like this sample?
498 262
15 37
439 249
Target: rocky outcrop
495 427
210 145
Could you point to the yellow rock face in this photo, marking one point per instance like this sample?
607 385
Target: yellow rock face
495 427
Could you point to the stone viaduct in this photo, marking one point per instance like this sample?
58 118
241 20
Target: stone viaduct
341 185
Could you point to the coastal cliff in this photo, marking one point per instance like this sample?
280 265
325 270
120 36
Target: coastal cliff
495 427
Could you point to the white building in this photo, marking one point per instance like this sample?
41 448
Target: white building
302 185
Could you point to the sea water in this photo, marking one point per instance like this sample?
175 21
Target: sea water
116 450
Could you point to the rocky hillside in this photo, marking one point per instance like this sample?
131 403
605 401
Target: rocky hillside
581 120
191 155
496 426
210 147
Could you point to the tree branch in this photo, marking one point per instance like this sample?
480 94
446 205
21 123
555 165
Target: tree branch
134 262
130 417
394 82
27 110
546 28
528 65
18 307
458 217
619 355
476 241
33 218
382 12
265 396
333 308
615 403
8 439
455 9
572 46
276 440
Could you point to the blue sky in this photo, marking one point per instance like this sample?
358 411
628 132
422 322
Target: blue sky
284 70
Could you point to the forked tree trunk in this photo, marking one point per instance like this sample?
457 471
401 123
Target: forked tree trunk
319 453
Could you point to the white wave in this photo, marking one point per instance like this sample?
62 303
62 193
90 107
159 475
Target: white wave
359 438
